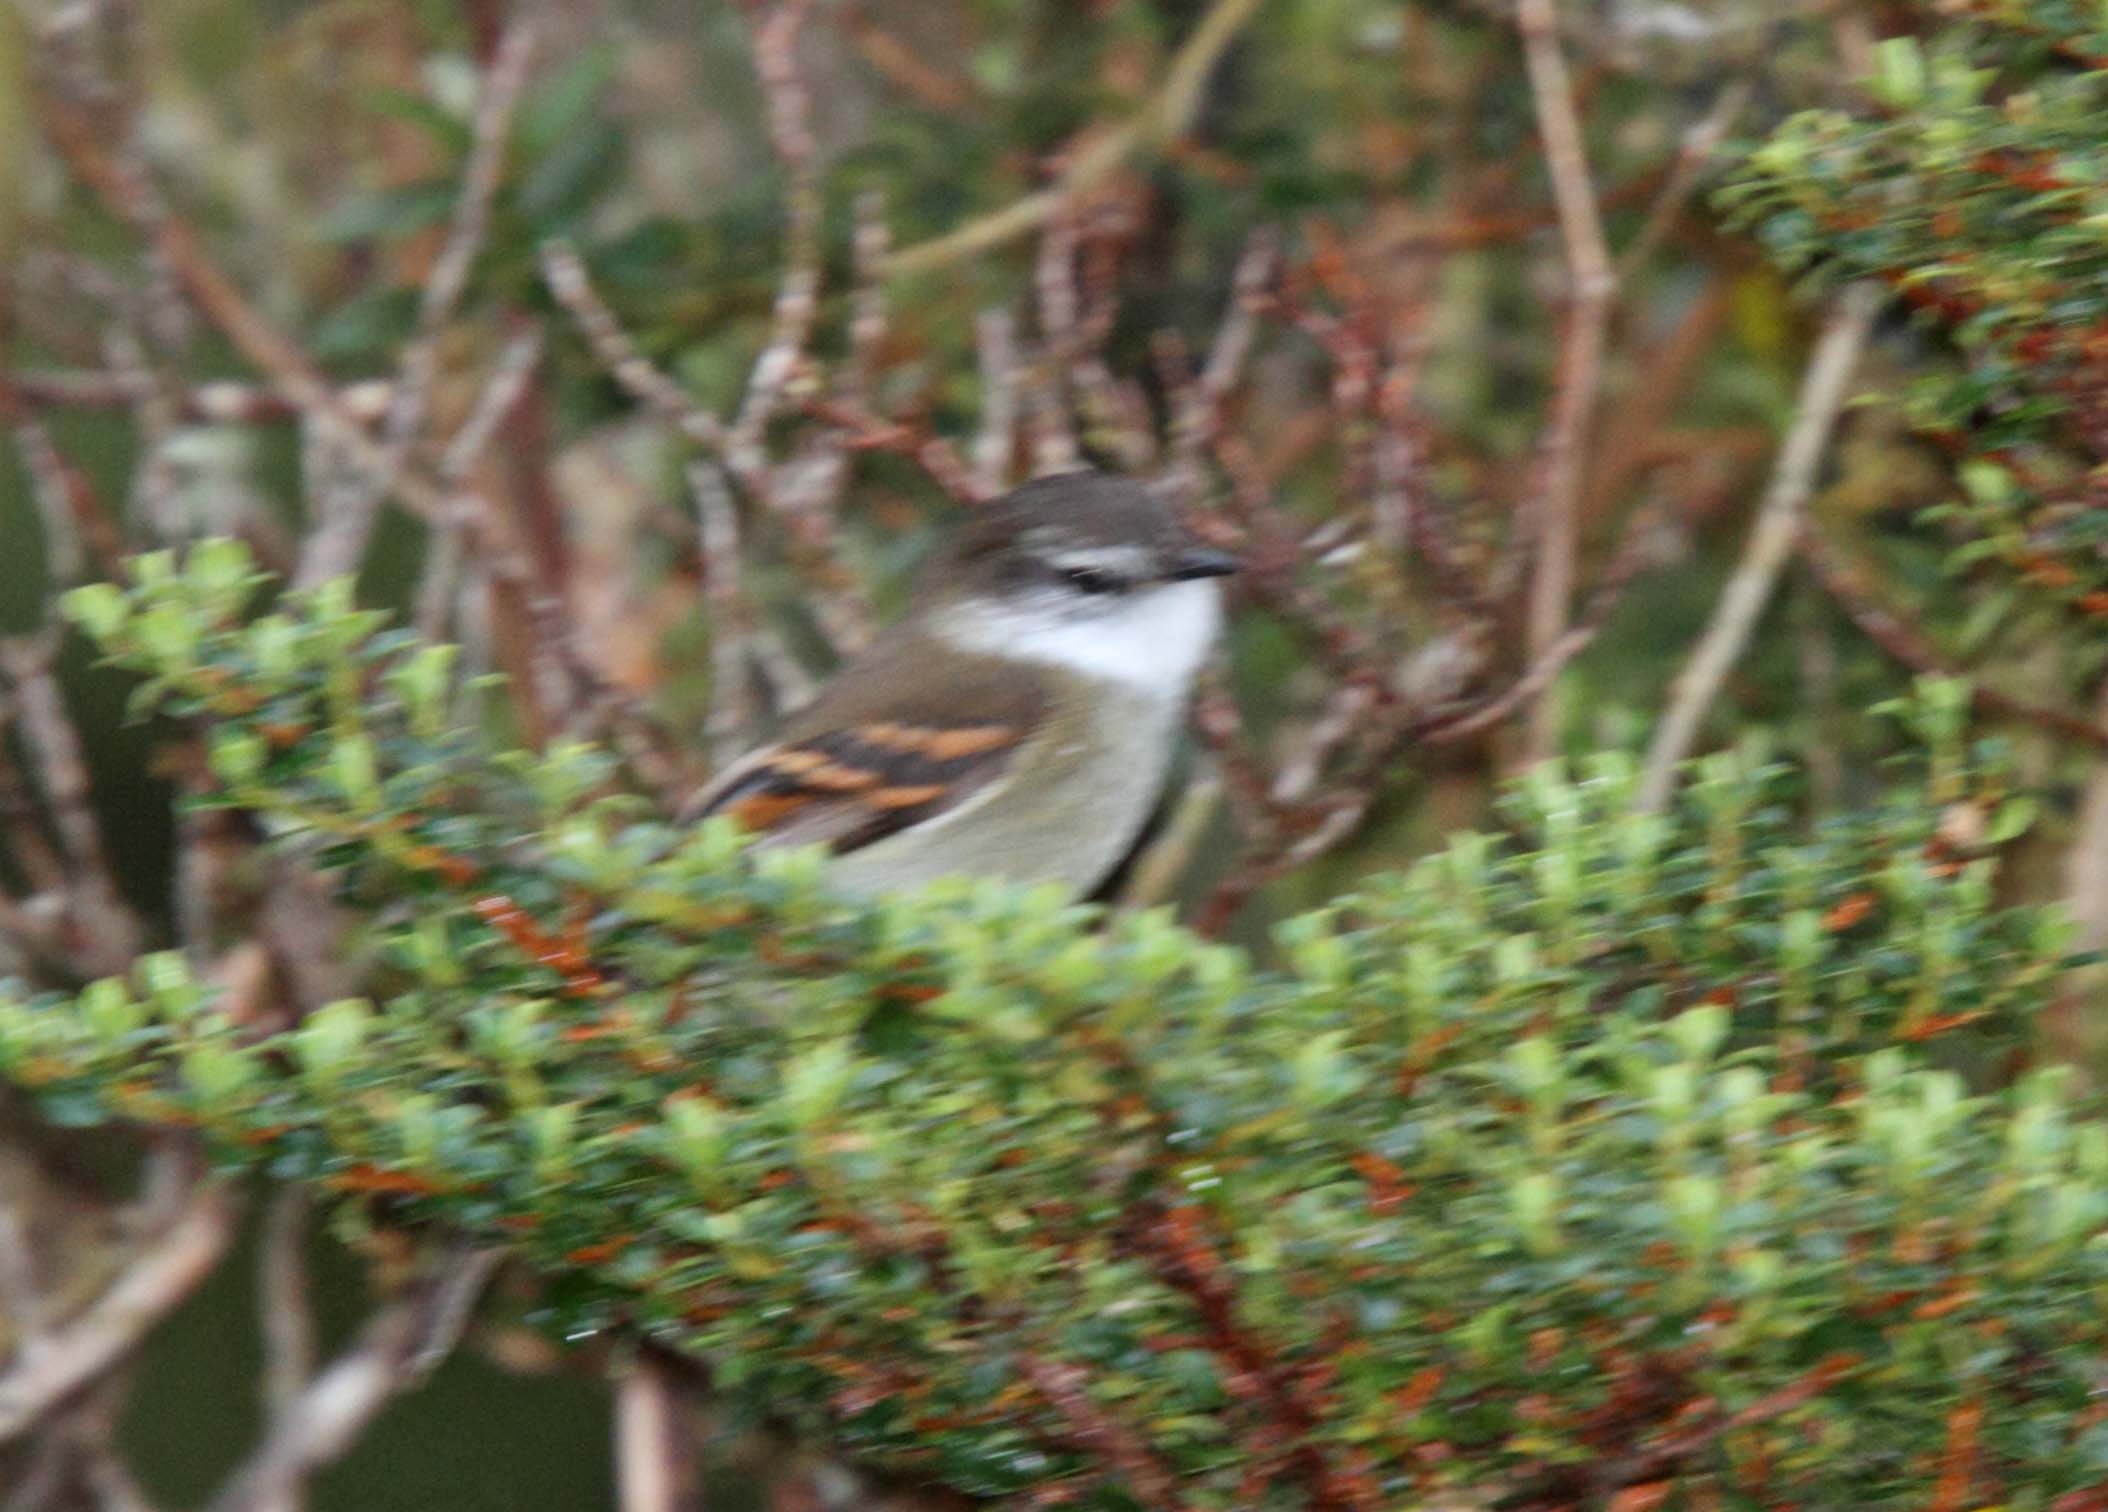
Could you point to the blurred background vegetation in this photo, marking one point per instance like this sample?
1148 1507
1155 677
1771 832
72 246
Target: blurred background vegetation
1417 306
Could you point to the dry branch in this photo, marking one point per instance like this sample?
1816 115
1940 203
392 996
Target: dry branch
656 1461
565 273
1770 541
1888 628
1556 509
396 1350
1165 118
152 1285
337 547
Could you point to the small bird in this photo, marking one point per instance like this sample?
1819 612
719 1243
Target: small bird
1018 723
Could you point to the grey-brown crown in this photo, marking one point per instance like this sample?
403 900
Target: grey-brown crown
1082 517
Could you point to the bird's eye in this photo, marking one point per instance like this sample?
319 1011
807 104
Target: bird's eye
1092 579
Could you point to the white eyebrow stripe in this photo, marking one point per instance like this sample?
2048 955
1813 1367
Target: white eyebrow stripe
1127 561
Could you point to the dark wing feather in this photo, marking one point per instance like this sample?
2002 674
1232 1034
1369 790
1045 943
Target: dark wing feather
882 748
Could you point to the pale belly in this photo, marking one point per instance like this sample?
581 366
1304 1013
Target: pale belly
1093 773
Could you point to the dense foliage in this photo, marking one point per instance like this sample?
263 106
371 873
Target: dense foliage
1972 181
1712 1159
1606 1153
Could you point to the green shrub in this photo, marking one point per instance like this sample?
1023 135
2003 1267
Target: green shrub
1972 182
1609 1155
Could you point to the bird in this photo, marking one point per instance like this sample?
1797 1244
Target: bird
1018 723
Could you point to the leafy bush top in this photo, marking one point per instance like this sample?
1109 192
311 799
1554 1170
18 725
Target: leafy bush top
1606 1156
1974 181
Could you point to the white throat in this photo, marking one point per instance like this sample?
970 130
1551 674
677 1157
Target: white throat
1153 640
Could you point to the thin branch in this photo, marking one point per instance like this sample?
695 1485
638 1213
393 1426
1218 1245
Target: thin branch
92 1427
1048 424
68 504
1770 542
867 302
656 1463
104 926
152 1286
43 1477
634 373
1699 145
1446 729
797 301
1889 629
1556 510
338 545
920 445
399 1346
283 1303
901 64
730 724
1164 119
28 845
1158 869
510 377
222 401
995 441
223 303
440 585
1180 1253
1197 412
21 1299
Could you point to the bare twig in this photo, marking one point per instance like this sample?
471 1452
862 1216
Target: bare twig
902 64
72 510
1889 629
1158 869
633 372
222 401
92 1428
1443 729
502 391
868 316
399 1346
931 452
1197 411
1556 509
21 1299
1184 1257
109 931
164 1274
731 720
28 846
656 1461
1051 431
43 1478
508 382
1699 145
1165 118
504 79
996 439
282 359
336 547
1770 541
797 294
52 481
283 1304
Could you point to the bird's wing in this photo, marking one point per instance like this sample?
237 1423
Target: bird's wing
850 786
881 749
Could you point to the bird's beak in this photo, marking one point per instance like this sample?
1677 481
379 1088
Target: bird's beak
1200 562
